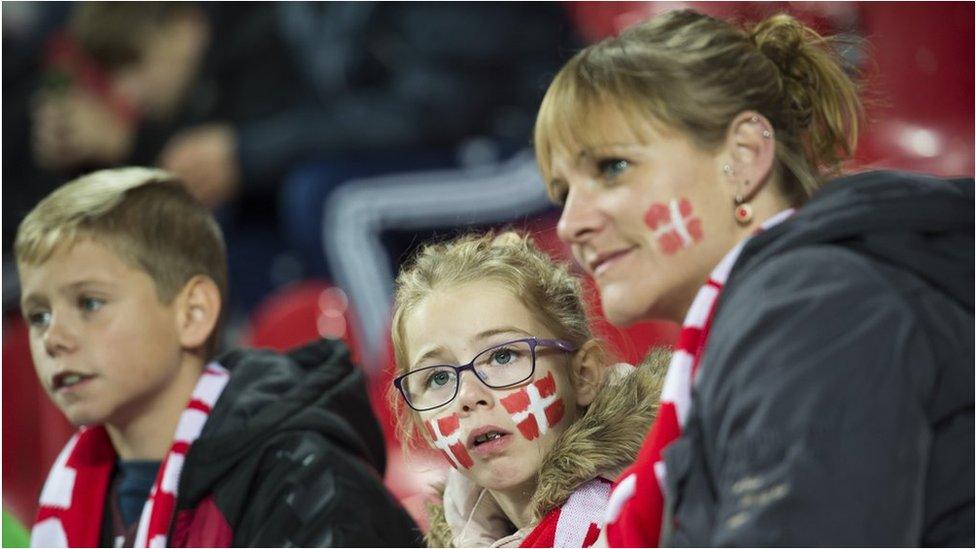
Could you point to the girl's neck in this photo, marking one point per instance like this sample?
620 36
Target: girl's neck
514 502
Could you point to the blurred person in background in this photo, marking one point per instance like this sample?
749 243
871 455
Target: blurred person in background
233 97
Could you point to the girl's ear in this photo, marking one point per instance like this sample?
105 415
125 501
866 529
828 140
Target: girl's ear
589 370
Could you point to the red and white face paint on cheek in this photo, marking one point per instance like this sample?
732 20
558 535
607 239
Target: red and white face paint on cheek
536 407
673 225
446 433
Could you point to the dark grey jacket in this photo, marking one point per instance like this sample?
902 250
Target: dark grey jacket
292 456
835 400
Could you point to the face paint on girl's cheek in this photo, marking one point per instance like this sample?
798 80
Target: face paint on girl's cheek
446 434
673 225
535 408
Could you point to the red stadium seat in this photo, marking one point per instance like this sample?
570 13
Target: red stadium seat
301 313
34 430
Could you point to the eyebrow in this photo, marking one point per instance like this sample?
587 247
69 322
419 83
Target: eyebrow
73 287
431 353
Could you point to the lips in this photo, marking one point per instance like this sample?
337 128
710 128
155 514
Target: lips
605 259
486 435
68 379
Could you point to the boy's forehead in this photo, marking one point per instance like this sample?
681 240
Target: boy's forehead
72 263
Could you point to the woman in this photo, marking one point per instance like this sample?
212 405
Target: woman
498 370
827 326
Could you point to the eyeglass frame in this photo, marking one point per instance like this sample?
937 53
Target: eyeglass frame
533 342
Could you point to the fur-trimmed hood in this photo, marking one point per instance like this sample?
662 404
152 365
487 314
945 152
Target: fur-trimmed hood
602 442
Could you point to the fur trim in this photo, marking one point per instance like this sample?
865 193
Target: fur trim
604 441
608 436
439 534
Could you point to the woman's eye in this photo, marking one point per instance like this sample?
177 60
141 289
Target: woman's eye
610 168
90 304
39 318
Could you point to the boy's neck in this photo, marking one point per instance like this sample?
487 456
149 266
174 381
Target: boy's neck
145 432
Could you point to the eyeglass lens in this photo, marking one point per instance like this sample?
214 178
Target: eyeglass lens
500 366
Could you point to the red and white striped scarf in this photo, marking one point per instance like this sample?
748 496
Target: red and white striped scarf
577 522
73 497
636 507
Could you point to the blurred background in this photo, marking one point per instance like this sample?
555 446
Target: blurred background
331 139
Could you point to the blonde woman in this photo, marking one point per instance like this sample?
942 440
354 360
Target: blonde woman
827 325
498 370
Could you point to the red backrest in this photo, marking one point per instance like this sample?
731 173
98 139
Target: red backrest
34 430
299 313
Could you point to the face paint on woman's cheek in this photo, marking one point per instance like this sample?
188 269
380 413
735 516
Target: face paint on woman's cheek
446 435
536 407
673 224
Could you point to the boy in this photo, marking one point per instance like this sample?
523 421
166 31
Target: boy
123 275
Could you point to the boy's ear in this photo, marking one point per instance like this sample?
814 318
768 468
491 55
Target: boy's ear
589 370
198 308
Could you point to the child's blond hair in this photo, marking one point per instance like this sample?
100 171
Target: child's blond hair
144 215
546 287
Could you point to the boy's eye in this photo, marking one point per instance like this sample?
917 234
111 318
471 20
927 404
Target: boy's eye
610 168
90 304
39 318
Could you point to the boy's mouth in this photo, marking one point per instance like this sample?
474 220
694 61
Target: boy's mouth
68 379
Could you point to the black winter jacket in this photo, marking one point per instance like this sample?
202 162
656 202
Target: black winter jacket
292 455
835 400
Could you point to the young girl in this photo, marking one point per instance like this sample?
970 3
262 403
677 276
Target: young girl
827 325
498 370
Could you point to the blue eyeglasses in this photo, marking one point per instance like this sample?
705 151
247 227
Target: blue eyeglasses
498 367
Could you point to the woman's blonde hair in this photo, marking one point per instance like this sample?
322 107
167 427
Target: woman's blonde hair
695 73
543 285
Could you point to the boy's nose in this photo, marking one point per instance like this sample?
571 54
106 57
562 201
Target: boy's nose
58 337
472 393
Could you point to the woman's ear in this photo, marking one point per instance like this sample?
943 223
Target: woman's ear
198 308
589 370
751 142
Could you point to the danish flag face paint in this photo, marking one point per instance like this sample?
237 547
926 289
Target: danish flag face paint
674 225
446 434
536 407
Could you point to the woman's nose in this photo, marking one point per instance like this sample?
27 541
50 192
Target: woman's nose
579 218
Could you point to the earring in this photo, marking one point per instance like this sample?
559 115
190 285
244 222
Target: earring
727 169
754 119
766 134
743 211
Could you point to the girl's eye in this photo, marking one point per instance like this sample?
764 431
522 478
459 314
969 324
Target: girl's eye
39 318
90 304
439 379
610 168
502 356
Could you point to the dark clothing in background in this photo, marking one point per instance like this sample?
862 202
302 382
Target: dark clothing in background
291 456
835 400
300 80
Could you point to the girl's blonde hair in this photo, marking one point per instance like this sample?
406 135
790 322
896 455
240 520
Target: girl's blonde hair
544 286
695 73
